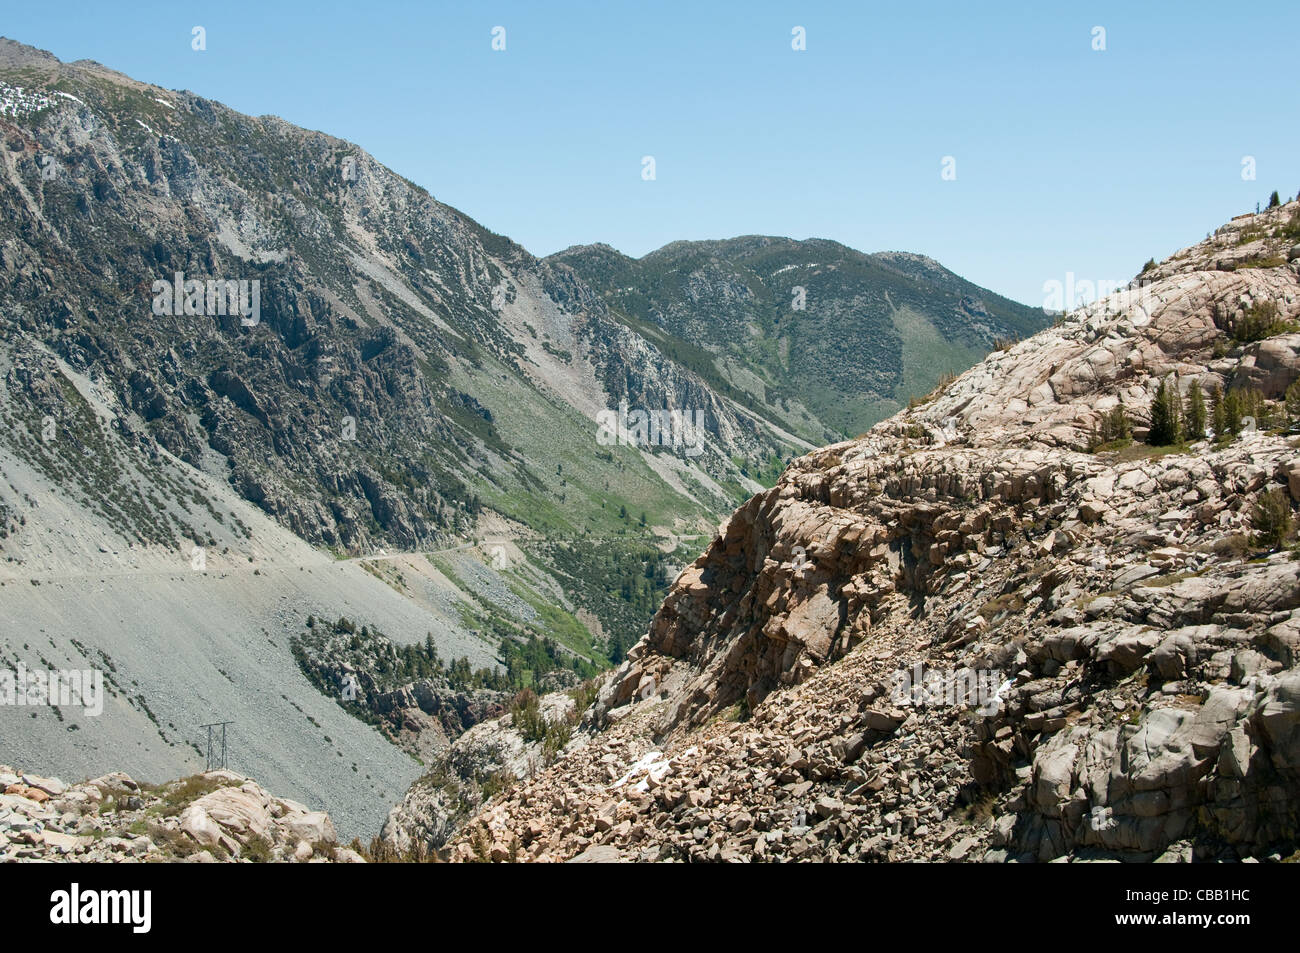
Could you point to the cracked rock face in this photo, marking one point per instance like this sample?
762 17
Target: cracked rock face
1124 644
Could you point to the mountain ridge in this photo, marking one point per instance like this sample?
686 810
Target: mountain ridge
781 320
993 628
400 428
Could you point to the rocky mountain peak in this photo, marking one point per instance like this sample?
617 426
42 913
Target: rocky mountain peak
14 53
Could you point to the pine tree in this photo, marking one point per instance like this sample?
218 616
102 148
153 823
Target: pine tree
1118 425
1114 427
1273 200
1195 413
1271 518
1220 414
1166 423
1293 402
1253 404
1175 402
1232 411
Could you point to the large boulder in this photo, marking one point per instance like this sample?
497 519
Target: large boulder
1270 366
243 811
314 827
1278 723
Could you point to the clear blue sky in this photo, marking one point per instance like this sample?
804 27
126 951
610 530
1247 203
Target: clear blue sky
1067 159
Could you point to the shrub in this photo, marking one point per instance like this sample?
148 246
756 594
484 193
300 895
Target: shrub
187 790
495 783
380 851
1291 230
557 736
1260 321
526 713
535 727
172 842
1115 428
257 849
583 696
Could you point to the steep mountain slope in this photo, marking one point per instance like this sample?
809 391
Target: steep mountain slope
180 480
404 367
993 627
824 338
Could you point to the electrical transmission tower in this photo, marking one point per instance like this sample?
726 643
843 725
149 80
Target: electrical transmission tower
216 756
